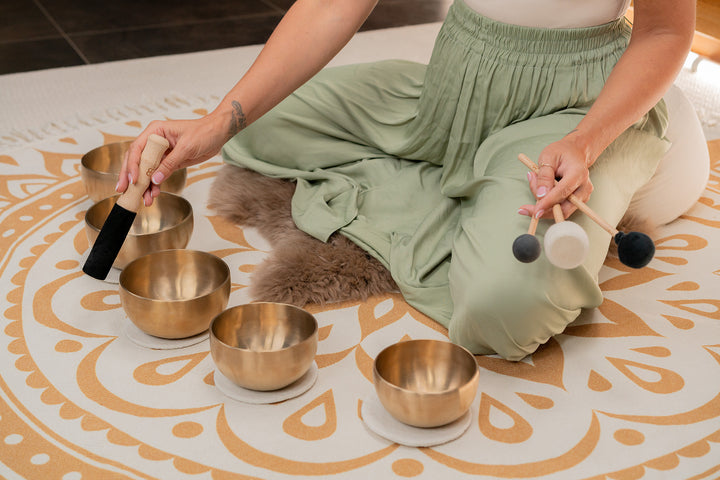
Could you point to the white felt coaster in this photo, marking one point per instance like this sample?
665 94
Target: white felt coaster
379 421
245 395
142 339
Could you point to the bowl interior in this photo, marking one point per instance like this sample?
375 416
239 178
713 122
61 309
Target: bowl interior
263 327
172 275
167 211
426 366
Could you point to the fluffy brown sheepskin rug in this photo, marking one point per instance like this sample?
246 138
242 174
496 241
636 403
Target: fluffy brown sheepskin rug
300 269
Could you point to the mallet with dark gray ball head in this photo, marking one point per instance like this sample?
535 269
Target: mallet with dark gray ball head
526 247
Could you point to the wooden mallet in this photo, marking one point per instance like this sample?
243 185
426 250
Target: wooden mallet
117 225
635 249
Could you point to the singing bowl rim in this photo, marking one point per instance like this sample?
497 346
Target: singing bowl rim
182 200
123 145
382 379
312 335
226 277
88 156
181 172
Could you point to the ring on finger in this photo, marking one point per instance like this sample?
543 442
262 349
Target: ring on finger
546 165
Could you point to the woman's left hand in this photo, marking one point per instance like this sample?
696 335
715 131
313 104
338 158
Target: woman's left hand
563 171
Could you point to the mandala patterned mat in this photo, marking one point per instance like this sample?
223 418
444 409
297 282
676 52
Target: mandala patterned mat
630 391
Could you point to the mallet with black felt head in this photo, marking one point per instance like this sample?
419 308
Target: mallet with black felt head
635 249
118 223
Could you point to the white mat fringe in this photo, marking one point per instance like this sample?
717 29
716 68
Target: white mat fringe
159 107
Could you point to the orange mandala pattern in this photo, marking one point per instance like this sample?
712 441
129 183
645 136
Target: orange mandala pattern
630 391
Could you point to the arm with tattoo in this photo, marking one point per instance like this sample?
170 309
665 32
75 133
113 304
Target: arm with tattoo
238 121
310 34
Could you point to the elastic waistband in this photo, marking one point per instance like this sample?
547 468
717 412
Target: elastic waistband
471 26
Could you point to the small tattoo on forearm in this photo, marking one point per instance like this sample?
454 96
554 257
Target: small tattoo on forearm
238 121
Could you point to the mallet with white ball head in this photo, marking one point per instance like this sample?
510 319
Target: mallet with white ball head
566 244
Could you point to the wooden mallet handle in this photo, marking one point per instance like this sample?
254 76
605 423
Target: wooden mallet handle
574 200
533 225
132 198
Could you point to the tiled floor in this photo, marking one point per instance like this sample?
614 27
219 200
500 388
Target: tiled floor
39 34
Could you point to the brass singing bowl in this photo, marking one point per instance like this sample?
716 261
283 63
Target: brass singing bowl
100 171
425 383
174 293
263 346
166 224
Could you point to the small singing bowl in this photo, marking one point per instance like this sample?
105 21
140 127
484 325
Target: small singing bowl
166 224
263 346
100 171
425 383
174 293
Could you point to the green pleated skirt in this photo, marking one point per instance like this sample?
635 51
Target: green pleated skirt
418 165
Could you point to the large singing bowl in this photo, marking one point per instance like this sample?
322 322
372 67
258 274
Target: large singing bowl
263 346
425 383
174 293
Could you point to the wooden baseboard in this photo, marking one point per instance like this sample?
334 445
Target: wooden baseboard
706 46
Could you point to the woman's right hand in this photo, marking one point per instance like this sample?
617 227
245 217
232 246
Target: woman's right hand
191 142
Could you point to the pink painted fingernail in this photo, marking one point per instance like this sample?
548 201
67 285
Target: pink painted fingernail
117 187
130 180
539 213
541 192
529 176
522 211
157 178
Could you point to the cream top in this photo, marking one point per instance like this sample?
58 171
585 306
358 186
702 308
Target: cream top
551 13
